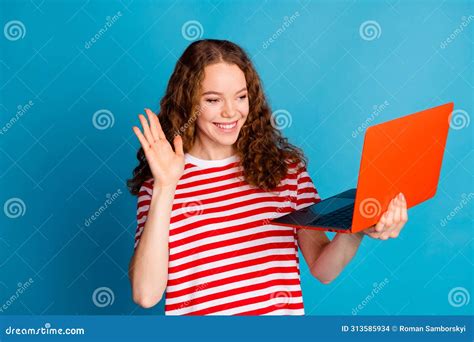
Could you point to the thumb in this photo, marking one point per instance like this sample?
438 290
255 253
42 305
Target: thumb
178 145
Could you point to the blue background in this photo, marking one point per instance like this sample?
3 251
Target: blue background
319 69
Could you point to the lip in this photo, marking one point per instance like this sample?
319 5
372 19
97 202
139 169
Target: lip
226 130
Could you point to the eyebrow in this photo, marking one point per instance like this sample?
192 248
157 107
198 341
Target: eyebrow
217 93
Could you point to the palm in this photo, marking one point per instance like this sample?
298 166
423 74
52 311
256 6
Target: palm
166 165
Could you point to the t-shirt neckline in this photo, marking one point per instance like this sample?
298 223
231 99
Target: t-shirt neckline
205 163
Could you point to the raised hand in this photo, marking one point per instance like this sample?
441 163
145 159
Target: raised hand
166 165
392 221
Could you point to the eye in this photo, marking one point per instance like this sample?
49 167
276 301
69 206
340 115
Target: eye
212 100
243 97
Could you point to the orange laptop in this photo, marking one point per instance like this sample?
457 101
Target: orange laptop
401 155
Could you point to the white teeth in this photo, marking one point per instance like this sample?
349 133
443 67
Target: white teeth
226 126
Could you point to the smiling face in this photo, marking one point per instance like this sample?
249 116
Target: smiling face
224 105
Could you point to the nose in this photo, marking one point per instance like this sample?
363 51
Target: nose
228 110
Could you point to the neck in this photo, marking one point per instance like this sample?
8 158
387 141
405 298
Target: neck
211 151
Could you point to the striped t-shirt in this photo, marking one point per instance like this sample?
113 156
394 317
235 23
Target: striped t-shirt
224 256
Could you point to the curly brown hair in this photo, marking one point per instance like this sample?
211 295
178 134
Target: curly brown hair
264 153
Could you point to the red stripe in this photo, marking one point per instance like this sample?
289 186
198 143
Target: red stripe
213 220
243 302
231 267
231 206
229 243
269 309
236 278
231 292
230 254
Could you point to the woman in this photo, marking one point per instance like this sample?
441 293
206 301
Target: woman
204 237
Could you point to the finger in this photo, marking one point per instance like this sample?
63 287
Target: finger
178 145
390 211
146 129
141 138
398 210
381 224
156 127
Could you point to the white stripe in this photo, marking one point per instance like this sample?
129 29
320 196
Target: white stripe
231 273
281 312
221 288
224 237
246 295
199 216
260 305
239 199
220 250
207 175
229 261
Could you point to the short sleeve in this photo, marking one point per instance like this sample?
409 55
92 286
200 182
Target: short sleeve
143 205
306 193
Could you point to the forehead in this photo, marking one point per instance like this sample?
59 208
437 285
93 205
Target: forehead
223 77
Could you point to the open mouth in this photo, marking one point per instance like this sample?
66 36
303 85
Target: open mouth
226 126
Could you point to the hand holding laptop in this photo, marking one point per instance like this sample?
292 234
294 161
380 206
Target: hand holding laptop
392 221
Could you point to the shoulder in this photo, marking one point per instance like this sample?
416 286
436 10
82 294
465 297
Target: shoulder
147 187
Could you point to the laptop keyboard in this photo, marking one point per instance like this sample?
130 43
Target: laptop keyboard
338 218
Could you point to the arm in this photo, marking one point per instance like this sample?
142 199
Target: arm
327 258
148 269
